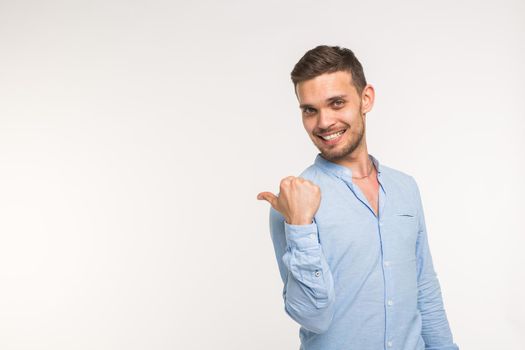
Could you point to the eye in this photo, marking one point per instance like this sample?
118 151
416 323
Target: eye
338 103
308 110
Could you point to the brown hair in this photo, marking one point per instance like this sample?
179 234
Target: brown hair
328 59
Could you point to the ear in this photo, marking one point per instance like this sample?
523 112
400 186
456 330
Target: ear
367 99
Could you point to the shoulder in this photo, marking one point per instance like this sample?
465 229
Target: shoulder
310 173
316 175
400 178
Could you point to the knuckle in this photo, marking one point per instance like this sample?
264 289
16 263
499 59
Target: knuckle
285 182
288 179
311 184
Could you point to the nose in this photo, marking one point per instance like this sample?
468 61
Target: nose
326 119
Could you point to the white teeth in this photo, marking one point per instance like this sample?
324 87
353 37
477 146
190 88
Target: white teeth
333 136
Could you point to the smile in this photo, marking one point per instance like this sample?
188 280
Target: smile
332 138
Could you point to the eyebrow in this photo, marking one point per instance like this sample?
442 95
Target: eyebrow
330 99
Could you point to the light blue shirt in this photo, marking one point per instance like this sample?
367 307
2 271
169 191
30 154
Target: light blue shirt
357 281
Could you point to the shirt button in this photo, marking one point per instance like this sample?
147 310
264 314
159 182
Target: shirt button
380 223
317 273
390 303
389 343
387 263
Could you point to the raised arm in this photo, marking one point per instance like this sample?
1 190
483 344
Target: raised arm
308 290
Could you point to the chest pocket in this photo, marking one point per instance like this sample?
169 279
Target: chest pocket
404 224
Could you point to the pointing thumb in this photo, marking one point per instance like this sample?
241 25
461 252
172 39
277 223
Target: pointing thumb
267 196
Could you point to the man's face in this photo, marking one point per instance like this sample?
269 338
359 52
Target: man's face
332 114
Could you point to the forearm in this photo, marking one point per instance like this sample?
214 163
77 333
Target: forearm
435 326
309 294
308 290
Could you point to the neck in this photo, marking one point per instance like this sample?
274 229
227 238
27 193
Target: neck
358 161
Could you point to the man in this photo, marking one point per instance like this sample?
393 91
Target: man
349 233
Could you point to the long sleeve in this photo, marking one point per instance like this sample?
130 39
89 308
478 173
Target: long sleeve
308 290
435 327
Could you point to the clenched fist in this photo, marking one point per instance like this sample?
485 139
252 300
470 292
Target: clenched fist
298 200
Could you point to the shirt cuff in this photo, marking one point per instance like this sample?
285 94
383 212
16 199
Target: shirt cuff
301 236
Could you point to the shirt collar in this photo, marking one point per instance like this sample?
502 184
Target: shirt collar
340 170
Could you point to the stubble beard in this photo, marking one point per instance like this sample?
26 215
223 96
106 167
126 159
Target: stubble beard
346 149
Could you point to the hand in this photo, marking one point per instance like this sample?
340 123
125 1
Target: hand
298 200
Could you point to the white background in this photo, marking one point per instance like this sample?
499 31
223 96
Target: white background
135 136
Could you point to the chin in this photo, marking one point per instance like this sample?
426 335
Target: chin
339 152
332 154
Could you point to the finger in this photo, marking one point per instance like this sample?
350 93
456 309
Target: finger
287 179
268 196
